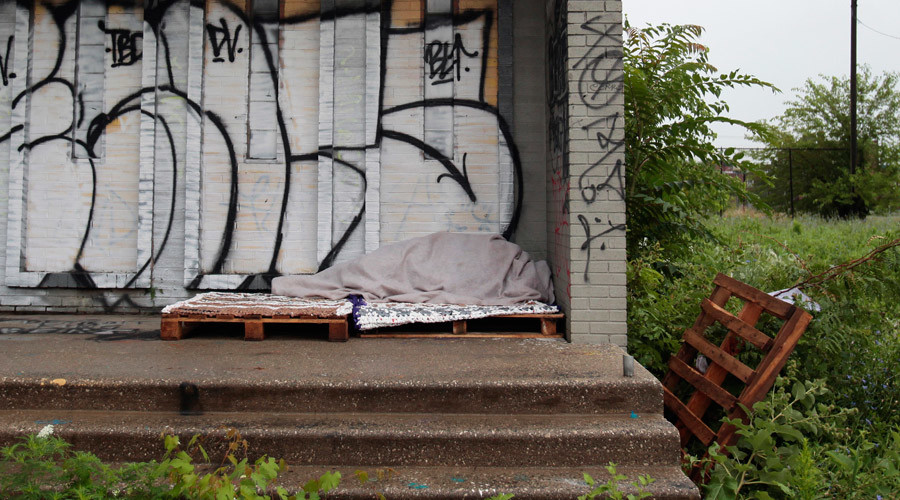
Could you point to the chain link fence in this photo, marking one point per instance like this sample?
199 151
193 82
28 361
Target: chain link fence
794 173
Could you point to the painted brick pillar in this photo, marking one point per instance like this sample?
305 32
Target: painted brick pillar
586 156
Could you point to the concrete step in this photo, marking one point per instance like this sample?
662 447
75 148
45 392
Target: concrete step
521 416
371 439
501 396
526 483
295 374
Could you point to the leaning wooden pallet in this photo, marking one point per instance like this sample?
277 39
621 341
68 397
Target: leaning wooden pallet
706 388
254 311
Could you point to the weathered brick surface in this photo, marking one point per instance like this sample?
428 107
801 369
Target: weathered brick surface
586 197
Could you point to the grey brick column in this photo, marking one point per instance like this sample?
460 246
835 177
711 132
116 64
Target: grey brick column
594 145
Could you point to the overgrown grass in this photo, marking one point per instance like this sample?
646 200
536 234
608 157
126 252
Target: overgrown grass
45 467
853 343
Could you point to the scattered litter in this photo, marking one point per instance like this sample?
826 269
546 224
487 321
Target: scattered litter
627 365
58 381
635 415
417 486
457 479
795 296
521 477
702 364
570 481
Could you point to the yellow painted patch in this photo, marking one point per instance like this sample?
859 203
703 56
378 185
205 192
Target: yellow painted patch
114 126
406 13
291 8
492 76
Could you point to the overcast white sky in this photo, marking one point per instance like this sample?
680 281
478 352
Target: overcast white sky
780 41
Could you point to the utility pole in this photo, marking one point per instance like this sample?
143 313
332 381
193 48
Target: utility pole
853 151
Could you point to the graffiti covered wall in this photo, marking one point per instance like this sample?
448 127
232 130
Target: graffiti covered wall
159 148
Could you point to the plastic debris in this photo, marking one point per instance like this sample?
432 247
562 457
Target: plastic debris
702 364
795 296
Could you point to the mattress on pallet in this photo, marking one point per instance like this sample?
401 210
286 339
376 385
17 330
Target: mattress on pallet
258 304
388 314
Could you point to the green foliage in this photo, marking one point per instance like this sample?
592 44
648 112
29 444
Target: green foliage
45 467
672 97
820 118
612 489
235 479
796 447
853 341
840 443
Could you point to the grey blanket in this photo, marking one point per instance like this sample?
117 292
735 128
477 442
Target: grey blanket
442 268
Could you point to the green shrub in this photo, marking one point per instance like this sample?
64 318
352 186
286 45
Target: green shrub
799 448
853 344
45 467
612 489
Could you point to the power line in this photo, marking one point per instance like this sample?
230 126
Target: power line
876 31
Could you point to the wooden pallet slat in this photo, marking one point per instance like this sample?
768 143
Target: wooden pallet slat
548 327
776 307
734 324
772 364
338 331
253 330
692 422
719 296
170 329
713 391
699 403
717 355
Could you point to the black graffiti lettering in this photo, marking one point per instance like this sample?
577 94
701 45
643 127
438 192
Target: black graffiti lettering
4 63
123 45
446 58
593 79
589 239
444 61
595 82
613 181
221 37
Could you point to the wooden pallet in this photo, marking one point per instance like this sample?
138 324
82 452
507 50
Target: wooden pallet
707 387
538 326
174 327
254 310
